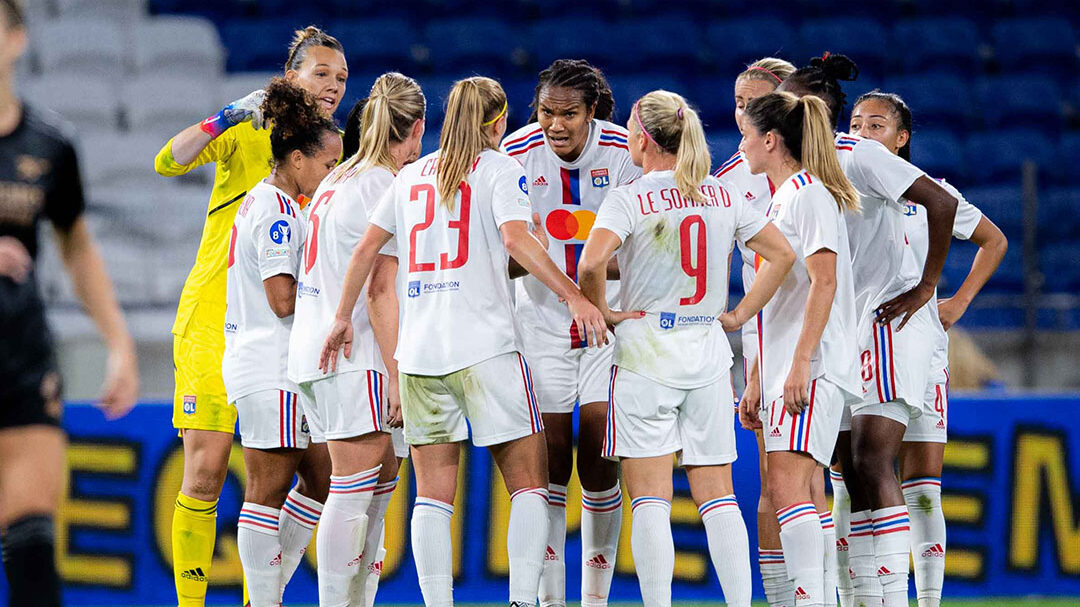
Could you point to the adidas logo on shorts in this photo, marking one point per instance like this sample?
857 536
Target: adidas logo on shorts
598 562
935 551
195 575
540 181
801 595
775 432
940 424
550 555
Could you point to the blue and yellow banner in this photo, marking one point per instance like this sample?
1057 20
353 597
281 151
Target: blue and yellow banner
1011 495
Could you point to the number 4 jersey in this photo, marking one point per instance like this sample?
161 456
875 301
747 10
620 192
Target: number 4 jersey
456 308
673 264
566 195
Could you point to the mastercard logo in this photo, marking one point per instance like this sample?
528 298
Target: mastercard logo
565 225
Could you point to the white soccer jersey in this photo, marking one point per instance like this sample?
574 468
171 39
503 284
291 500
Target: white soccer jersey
673 264
567 196
808 216
882 262
337 219
266 240
457 309
756 191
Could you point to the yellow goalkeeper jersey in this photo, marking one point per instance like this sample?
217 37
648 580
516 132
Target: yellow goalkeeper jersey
243 158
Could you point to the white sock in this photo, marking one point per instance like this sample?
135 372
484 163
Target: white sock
299 516
432 551
729 548
923 497
526 540
653 549
371 561
553 578
861 561
601 522
828 534
841 511
804 552
892 533
779 590
340 539
260 553
371 587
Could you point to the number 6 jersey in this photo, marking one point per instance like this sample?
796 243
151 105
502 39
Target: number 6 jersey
456 308
673 264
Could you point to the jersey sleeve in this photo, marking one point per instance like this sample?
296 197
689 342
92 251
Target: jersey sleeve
217 150
880 173
510 194
815 221
377 183
64 203
968 215
278 239
628 172
616 215
384 214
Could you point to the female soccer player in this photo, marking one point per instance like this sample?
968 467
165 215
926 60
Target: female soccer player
355 405
458 214
884 117
264 262
235 139
888 288
804 375
572 157
760 78
670 385
40 176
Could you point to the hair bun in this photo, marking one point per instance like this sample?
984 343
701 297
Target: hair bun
838 67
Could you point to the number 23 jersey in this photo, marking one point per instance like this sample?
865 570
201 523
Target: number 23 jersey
456 308
673 264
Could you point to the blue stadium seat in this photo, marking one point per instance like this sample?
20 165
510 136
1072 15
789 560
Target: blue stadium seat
936 99
722 144
733 43
1060 265
957 265
474 44
935 44
939 153
1004 205
1059 214
436 90
715 99
996 157
257 44
552 39
519 94
671 43
629 88
378 43
864 40
1027 100
1041 43
1067 157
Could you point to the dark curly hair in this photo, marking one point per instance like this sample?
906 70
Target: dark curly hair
579 75
899 108
297 123
13 12
822 78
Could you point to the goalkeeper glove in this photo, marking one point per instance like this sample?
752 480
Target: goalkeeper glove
241 110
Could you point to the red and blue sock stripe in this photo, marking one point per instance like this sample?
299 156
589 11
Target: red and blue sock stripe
602 505
861 528
258 519
557 496
302 513
649 500
894 523
436 505
795 512
770 557
717 505
826 520
922 481
360 482
540 491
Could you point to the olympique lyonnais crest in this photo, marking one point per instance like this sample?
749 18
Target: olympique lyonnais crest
600 178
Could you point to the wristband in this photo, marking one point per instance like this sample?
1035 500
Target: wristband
216 125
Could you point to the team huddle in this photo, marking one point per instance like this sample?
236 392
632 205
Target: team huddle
396 303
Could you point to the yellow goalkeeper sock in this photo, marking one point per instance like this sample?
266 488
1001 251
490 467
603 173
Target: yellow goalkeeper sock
194 528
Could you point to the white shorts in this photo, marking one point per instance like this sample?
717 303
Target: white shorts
494 397
895 367
932 428
649 419
346 405
564 377
272 419
813 431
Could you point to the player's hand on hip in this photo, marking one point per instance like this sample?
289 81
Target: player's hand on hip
15 260
904 305
749 405
614 317
950 310
121 387
797 387
589 320
730 322
340 337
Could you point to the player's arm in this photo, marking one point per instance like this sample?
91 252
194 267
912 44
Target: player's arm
527 251
188 149
992 247
536 229
821 266
281 294
85 265
750 403
382 304
778 258
940 213
593 273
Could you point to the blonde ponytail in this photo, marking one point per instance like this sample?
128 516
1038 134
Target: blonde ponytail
670 123
394 105
819 153
472 103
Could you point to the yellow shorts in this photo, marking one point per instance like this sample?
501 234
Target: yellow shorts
200 402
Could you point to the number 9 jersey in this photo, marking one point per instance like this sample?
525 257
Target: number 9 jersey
456 309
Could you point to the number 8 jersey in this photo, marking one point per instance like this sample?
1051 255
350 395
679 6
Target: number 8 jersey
456 308
673 264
